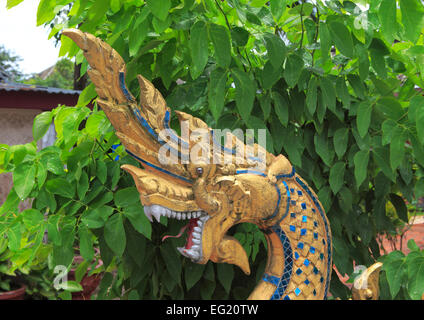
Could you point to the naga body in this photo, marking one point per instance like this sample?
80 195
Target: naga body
214 196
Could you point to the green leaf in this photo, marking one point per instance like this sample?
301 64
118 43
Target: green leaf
412 18
24 179
159 9
416 277
138 34
340 139
277 8
192 274
276 49
32 218
325 39
45 11
336 179
101 171
61 187
71 286
388 128
363 117
93 218
387 16
416 110
85 243
216 94
360 161
41 124
269 75
397 147
400 206
172 260
114 234
41 174
293 69
342 38
198 45
12 3
342 92
88 94
138 219
245 92
222 43
323 148
126 197
14 236
311 95
225 275
281 108
394 265
328 93
239 36
83 185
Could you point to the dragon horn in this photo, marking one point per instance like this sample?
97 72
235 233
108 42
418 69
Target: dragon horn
139 129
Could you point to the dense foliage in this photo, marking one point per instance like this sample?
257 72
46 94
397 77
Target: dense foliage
334 83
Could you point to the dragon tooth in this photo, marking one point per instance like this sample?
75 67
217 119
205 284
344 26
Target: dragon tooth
147 212
196 241
199 223
156 211
173 214
188 215
197 229
195 247
182 250
183 216
196 235
179 215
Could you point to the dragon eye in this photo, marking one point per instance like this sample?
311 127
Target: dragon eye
199 171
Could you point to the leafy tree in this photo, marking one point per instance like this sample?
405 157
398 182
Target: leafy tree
61 77
9 64
334 83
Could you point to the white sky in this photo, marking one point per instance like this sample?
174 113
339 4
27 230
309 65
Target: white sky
20 35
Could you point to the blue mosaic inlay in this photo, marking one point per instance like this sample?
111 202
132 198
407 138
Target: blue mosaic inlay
299 271
293 215
303 206
296 255
300 245
312 249
304 218
290 175
286 297
315 235
315 224
292 228
302 232
306 263
293 203
288 265
307 282
316 271
297 291
300 193
327 231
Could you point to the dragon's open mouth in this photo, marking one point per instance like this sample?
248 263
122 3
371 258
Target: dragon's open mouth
197 219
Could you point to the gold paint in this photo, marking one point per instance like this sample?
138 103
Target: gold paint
227 197
366 286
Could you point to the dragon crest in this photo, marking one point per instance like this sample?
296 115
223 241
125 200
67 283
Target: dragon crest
214 196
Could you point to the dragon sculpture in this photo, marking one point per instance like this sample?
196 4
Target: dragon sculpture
215 197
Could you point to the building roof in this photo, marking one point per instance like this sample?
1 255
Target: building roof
13 86
24 96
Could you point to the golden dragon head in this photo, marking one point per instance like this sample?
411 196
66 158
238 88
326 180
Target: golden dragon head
193 176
